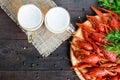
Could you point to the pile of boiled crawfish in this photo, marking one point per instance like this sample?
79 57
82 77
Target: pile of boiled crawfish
89 50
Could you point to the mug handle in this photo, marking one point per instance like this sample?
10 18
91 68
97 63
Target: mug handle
30 36
70 29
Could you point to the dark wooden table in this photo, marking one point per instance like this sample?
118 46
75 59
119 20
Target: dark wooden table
21 61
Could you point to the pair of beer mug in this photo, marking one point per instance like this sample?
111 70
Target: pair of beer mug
56 20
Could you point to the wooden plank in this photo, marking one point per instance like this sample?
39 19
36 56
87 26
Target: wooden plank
8 29
77 8
19 46
37 75
19 55
35 64
13 51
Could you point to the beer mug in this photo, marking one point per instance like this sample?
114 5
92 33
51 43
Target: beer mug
30 19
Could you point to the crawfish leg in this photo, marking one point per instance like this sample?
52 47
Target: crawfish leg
111 12
100 14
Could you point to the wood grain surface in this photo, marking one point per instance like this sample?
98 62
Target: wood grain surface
21 61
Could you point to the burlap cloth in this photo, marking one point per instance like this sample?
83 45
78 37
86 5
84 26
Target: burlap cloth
44 41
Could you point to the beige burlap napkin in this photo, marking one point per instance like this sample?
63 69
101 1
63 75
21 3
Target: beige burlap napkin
44 41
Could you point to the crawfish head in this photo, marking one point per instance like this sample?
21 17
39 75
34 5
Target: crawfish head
86 46
97 72
111 56
98 37
100 72
96 23
92 59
